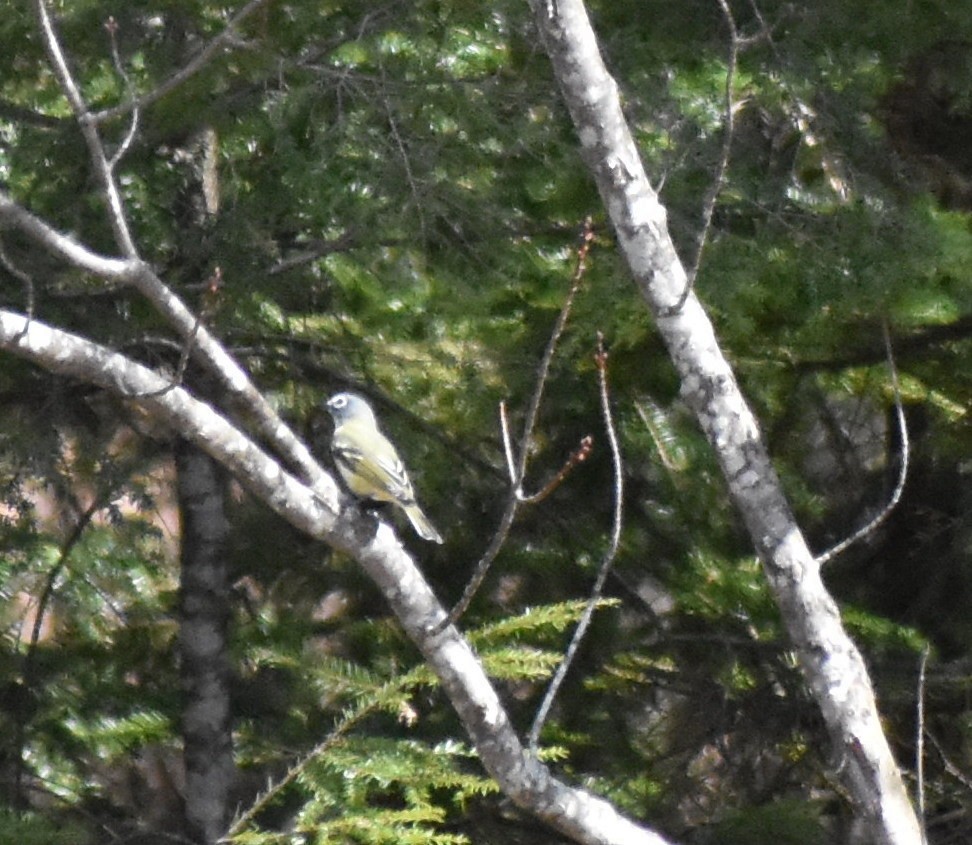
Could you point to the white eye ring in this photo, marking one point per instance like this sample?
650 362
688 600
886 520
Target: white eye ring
339 401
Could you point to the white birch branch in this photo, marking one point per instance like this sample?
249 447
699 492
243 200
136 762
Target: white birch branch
322 513
205 347
316 509
136 272
830 661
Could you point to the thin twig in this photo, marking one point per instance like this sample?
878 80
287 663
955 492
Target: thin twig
213 287
507 442
533 410
236 383
518 466
719 181
89 129
920 739
601 358
191 68
29 662
112 28
27 281
66 548
871 526
950 767
578 456
178 377
406 163
317 249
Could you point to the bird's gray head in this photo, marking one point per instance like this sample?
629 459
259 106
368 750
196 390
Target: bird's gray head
349 406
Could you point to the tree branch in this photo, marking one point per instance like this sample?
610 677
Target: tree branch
205 347
136 272
873 524
96 149
719 180
518 464
831 663
324 513
192 67
607 561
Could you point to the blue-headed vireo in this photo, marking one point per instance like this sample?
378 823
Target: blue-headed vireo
368 462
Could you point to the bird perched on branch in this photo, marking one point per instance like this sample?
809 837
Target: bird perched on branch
368 462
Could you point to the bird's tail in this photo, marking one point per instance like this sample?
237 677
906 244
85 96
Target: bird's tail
420 522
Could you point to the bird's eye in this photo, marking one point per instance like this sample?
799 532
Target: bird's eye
339 401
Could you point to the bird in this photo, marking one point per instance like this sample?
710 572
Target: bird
369 463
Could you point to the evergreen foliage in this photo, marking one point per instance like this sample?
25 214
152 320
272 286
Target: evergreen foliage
400 201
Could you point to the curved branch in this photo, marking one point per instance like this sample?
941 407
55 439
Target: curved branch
136 272
874 523
518 464
60 245
321 513
719 180
27 678
607 561
75 357
112 28
205 347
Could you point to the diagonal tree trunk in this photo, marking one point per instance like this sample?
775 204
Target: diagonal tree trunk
321 512
830 661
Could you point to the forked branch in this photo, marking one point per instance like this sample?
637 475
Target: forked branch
601 359
517 459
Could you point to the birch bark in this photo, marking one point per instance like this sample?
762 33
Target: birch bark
831 663
321 512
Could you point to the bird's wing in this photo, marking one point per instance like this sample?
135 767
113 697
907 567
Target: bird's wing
382 476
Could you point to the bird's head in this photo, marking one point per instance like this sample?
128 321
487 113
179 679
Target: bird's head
349 406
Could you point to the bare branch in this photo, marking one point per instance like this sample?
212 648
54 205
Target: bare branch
543 371
326 515
112 28
920 737
204 345
832 665
518 467
137 273
507 443
719 181
25 279
72 356
949 765
403 153
27 669
578 456
63 246
96 149
19 114
185 351
314 250
896 494
216 46
601 359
